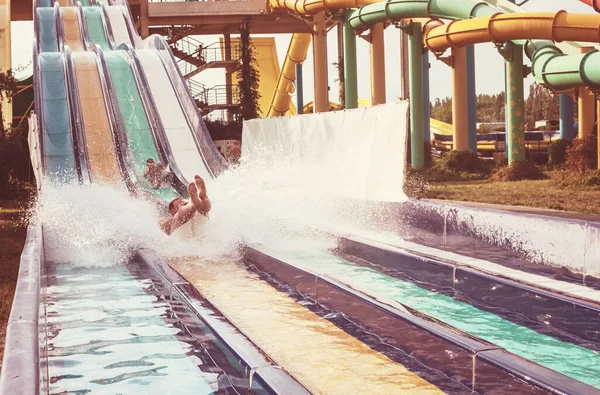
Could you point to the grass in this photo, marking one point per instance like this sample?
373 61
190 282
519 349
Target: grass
550 193
12 239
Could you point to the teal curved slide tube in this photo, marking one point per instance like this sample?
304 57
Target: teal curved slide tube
137 127
58 141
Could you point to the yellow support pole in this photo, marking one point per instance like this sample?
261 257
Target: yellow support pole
585 111
377 65
321 100
460 116
5 55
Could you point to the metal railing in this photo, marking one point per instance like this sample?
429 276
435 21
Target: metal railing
208 98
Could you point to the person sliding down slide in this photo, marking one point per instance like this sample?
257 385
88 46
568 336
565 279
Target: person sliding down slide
188 217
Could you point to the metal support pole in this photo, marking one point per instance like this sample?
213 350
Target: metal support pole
404 80
459 99
321 101
585 106
426 99
566 116
416 97
515 104
377 65
299 89
228 77
350 74
471 100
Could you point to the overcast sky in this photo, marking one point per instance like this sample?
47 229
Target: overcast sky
489 64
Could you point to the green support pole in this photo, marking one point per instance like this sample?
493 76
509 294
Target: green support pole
515 104
350 75
417 120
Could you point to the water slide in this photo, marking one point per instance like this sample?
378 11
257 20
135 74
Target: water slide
121 325
281 100
127 326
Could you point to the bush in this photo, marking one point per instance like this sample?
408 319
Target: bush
557 152
465 161
517 171
583 154
224 130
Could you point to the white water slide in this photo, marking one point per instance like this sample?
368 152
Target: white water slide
168 91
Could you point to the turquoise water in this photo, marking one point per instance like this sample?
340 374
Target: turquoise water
95 26
139 134
108 334
574 361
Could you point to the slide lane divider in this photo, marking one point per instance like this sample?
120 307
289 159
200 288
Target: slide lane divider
471 361
21 364
259 367
80 142
117 126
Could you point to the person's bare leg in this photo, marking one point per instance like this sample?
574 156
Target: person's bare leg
193 191
203 205
201 186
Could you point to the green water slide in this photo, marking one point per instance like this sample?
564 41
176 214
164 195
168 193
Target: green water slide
95 27
139 133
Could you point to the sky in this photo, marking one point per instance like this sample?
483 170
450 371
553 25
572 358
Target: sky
488 63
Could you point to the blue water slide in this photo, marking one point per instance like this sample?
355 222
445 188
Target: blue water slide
58 149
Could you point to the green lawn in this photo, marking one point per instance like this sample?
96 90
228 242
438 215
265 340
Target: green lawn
12 239
548 193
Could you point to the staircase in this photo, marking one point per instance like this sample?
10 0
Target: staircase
193 57
214 98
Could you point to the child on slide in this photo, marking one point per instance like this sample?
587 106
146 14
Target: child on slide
188 217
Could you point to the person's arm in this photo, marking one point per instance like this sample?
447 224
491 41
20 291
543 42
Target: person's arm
165 225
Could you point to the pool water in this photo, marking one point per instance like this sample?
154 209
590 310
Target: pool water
569 359
110 330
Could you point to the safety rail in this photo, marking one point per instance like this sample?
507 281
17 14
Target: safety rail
193 56
214 98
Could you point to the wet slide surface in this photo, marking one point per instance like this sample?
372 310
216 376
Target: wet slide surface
71 33
139 134
100 146
57 140
95 27
578 362
110 331
331 361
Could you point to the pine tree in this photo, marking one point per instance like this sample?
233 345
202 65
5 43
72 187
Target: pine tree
248 78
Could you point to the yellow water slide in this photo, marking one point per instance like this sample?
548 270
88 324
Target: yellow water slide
556 26
296 54
267 64
96 122
71 33
5 54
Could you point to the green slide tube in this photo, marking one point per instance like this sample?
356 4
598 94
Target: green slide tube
550 66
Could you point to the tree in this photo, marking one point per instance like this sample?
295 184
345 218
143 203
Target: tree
248 78
8 86
541 104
